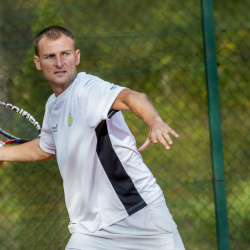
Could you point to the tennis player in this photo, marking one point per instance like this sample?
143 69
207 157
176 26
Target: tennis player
112 198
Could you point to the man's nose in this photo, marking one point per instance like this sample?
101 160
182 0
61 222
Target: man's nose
59 62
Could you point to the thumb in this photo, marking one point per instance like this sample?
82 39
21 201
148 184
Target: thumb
145 145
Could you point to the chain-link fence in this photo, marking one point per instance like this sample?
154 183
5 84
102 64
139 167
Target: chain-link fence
155 47
232 28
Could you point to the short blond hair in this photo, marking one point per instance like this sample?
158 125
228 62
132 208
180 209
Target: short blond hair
53 33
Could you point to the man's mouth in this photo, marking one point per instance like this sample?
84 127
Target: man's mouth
60 72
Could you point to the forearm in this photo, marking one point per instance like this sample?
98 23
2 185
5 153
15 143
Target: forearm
139 104
142 107
27 152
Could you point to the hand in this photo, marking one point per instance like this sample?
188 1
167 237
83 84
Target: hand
159 131
1 145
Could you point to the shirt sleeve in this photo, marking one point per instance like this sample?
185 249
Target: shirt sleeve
97 99
47 143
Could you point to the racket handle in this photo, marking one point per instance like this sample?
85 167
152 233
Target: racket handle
14 141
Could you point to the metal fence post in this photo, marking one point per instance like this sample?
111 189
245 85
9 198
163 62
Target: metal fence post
215 124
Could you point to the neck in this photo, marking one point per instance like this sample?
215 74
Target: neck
59 88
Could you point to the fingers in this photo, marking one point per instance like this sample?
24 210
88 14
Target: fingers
165 140
172 132
159 133
145 145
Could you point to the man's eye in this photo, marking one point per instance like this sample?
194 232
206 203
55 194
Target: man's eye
66 53
49 57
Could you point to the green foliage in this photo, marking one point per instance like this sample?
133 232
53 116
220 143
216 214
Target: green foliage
155 47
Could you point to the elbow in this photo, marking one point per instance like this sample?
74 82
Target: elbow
140 96
136 96
43 157
50 157
143 96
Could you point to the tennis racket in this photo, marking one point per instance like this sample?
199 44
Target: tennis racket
17 125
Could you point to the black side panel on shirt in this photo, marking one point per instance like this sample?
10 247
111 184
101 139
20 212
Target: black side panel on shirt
112 112
120 180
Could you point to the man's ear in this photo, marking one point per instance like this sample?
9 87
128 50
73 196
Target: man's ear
37 62
78 55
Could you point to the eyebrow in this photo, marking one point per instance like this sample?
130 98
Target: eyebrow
61 52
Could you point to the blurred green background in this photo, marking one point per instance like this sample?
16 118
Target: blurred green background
155 47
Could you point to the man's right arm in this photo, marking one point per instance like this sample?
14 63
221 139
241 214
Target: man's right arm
27 152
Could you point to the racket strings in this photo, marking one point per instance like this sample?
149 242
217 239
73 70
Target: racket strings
16 125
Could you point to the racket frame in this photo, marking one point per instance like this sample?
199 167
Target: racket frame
25 114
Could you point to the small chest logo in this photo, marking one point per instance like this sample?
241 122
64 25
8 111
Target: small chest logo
55 128
70 120
114 87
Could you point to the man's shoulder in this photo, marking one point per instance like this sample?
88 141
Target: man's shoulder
83 76
84 80
87 82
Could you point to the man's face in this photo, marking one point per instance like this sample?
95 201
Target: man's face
58 59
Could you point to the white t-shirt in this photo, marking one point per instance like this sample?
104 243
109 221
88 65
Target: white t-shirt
104 177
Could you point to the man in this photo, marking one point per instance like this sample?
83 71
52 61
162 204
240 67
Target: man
112 198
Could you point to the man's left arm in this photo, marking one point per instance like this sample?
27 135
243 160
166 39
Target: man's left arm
138 103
